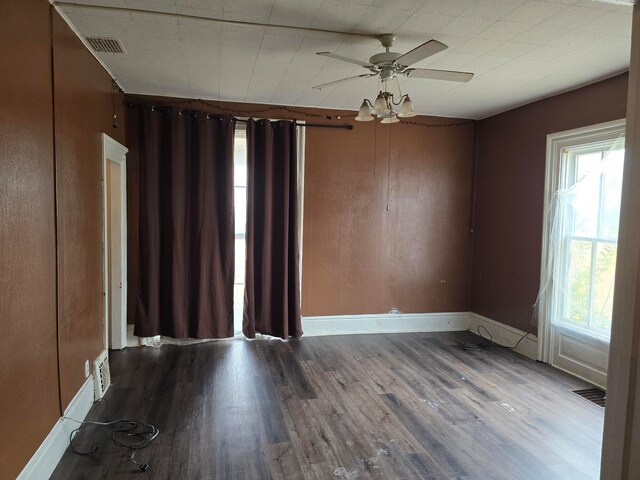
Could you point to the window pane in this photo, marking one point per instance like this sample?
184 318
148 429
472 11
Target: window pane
604 278
238 302
240 210
240 175
584 198
577 298
240 162
611 193
240 218
239 261
588 163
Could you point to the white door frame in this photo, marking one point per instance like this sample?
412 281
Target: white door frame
115 153
554 170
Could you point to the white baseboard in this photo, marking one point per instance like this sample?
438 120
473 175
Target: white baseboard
46 458
385 323
506 335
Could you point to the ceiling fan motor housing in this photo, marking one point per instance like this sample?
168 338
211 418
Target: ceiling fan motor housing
383 59
385 64
387 74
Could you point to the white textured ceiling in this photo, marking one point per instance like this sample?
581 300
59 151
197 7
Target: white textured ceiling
519 50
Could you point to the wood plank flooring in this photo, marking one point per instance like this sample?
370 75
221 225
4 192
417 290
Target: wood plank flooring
403 406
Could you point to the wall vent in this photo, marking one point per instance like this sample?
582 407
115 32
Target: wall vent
594 395
105 45
101 375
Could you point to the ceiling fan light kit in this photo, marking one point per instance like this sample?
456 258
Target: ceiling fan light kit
383 108
388 66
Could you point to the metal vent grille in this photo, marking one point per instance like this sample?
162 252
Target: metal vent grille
594 395
105 45
102 374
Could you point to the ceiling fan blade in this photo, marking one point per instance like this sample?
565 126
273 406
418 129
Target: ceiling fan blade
344 59
438 74
420 53
348 79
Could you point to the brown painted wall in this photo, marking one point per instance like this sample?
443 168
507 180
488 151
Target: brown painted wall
84 106
359 257
510 195
386 219
29 403
33 391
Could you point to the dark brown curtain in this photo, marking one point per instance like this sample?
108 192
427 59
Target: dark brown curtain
272 283
186 225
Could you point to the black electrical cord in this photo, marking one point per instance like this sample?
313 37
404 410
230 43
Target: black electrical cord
488 342
125 433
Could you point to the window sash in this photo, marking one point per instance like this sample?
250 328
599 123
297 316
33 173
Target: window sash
568 177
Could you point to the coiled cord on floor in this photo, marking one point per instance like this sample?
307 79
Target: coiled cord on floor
125 433
488 341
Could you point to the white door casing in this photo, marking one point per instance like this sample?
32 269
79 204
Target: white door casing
114 242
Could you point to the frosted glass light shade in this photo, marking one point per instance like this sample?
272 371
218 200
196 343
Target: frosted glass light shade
392 119
407 109
364 114
380 105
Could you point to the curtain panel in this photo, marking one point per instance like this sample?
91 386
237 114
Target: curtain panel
186 225
272 282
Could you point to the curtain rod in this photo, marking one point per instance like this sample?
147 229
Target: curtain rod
308 125
345 126
210 19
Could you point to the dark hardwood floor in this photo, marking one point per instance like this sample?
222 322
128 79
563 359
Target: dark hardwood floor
403 406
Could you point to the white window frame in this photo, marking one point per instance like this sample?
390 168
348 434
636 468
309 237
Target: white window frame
555 170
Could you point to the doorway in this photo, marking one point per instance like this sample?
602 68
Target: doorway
582 212
114 187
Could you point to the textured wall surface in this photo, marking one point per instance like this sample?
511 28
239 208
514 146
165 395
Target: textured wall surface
510 195
84 106
36 384
386 219
29 401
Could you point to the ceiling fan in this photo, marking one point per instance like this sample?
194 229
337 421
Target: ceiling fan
388 65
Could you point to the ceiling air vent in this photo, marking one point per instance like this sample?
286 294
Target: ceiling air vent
105 45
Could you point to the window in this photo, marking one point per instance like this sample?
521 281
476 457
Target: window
583 187
591 211
240 209
240 212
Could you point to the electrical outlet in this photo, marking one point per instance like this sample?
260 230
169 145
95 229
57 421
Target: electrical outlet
86 369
